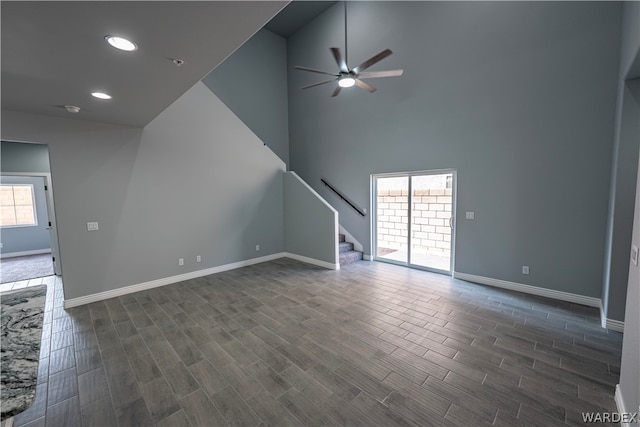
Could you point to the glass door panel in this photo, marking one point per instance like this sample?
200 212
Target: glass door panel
431 221
392 219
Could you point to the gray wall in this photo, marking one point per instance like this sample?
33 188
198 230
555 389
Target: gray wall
252 82
518 97
18 157
310 223
195 181
29 238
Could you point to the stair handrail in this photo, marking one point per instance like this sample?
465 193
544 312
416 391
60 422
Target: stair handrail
349 202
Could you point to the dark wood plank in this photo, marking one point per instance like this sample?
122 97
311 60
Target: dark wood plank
285 343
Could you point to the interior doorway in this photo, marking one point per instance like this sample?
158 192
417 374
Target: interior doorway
29 236
413 222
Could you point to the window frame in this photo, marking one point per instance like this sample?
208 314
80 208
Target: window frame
33 205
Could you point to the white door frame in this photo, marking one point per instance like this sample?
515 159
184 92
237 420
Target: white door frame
51 213
374 216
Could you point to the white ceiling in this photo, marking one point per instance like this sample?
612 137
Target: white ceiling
54 53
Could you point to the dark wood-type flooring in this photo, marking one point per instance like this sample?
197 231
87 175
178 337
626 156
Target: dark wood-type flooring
287 344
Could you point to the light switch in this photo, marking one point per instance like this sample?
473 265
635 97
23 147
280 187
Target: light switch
634 254
470 215
92 226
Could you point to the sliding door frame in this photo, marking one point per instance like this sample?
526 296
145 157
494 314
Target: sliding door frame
374 217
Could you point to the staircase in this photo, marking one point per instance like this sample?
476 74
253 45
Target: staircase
347 254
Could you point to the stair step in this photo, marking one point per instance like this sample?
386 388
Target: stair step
341 237
345 247
350 257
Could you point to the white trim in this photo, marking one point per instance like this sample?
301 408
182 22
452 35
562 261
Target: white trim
620 405
26 253
74 302
314 192
613 325
367 257
312 261
606 323
349 238
533 290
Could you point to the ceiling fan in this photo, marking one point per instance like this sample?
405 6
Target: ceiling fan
347 77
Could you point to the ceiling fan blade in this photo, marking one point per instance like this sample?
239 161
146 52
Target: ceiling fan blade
297 67
374 59
376 74
336 92
340 60
318 84
364 85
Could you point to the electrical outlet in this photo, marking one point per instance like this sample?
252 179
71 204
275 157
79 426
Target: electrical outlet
257 248
634 254
470 215
198 258
180 261
525 269
92 226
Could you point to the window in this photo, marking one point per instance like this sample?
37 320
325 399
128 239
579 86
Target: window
17 207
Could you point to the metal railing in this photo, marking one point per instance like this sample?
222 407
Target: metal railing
347 201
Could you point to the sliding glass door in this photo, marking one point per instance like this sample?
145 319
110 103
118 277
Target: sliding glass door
392 218
414 223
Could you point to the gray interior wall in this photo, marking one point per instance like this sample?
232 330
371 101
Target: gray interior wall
310 224
33 237
19 157
195 181
518 97
252 82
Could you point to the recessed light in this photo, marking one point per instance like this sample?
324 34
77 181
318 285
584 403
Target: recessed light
121 43
101 95
72 108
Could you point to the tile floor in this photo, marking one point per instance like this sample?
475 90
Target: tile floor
287 344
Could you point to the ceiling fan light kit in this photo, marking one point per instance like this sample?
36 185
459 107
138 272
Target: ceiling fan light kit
348 77
346 81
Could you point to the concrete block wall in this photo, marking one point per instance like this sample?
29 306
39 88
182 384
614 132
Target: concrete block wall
431 212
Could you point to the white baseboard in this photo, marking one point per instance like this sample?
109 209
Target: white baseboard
367 257
620 405
74 302
88 299
312 261
611 324
26 253
533 290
